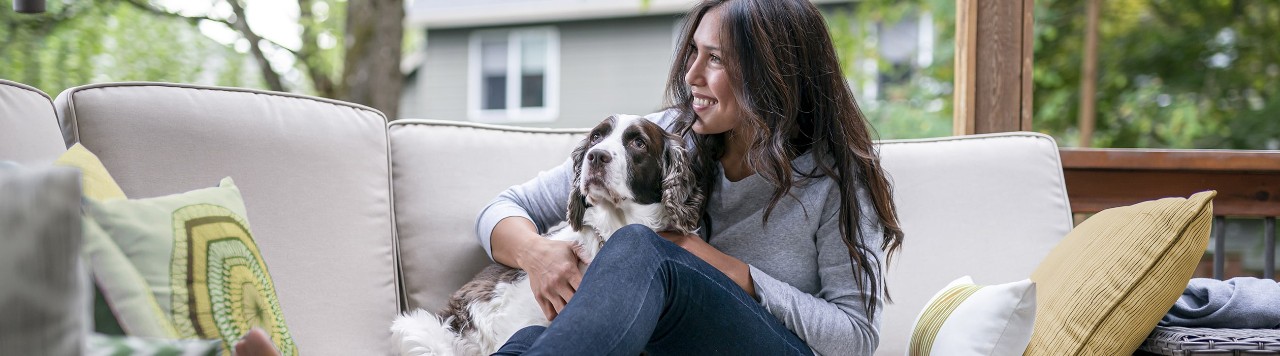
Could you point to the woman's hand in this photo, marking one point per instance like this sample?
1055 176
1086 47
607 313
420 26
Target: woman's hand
732 267
553 273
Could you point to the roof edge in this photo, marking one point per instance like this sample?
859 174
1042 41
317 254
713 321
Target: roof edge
547 11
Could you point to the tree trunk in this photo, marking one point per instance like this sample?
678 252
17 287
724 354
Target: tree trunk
371 72
255 47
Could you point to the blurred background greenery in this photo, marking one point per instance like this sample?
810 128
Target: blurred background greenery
1171 74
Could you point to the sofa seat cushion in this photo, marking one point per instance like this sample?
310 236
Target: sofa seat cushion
1109 282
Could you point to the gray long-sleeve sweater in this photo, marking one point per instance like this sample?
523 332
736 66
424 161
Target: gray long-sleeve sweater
799 264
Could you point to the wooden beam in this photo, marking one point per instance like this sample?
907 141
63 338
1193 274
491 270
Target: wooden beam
993 66
966 53
1248 182
1089 74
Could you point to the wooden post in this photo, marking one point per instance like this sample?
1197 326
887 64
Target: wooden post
994 41
1089 74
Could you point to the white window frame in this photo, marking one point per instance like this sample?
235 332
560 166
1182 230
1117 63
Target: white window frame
513 113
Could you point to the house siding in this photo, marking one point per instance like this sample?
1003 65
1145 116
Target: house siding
606 66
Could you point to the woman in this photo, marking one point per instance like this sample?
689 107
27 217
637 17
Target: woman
796 227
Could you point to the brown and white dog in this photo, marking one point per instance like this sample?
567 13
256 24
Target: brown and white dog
627 170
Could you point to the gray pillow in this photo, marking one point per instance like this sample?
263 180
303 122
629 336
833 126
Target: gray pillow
43 286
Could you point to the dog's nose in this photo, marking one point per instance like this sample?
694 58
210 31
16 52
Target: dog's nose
599 157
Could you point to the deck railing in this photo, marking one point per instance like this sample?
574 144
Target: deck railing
1248 185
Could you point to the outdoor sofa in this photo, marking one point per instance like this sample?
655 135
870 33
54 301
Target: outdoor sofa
359 219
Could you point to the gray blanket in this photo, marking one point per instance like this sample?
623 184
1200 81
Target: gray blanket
1237 303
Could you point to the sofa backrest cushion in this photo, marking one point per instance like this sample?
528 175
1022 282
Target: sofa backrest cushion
28 127
989 206
445 172
314 173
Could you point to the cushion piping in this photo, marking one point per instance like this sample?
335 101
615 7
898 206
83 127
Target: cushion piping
402 296
71 131
32 89
27 88
430 122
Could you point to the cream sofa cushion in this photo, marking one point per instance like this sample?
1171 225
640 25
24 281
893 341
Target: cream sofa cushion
445 173
314 174
28 127
989 206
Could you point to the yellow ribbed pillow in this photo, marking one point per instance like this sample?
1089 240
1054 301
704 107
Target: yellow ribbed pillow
1110 280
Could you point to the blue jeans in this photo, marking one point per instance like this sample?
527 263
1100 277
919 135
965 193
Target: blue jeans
644 293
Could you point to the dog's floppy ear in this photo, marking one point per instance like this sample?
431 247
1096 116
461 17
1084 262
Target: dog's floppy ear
681 197
578 202
577 207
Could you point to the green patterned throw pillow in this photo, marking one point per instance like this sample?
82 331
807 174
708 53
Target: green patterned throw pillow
197 254
113 345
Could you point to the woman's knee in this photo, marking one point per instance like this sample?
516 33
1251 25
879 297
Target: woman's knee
635 240
520 342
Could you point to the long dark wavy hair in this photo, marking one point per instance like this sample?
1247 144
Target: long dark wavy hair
795 99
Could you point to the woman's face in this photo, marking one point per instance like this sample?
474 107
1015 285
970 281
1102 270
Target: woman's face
713 99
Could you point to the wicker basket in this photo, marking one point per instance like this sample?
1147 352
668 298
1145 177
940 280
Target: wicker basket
1205 341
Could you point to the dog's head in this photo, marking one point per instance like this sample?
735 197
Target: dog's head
628 162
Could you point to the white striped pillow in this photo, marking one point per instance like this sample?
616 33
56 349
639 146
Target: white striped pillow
968 319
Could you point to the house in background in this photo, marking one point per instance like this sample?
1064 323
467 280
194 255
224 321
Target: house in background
546 63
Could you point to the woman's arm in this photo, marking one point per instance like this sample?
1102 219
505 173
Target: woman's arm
737 270
835 321
552 265
509 229
541 201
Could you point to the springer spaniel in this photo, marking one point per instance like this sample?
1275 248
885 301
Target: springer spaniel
626 171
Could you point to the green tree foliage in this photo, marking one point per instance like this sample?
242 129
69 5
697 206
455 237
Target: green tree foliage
81 42
1171 74
916 104
352 58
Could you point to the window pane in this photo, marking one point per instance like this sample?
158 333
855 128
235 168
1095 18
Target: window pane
493 73
493 54
531 91
533 52
533 69
494 94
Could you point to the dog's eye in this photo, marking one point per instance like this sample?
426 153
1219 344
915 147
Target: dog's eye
595 136
638 144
